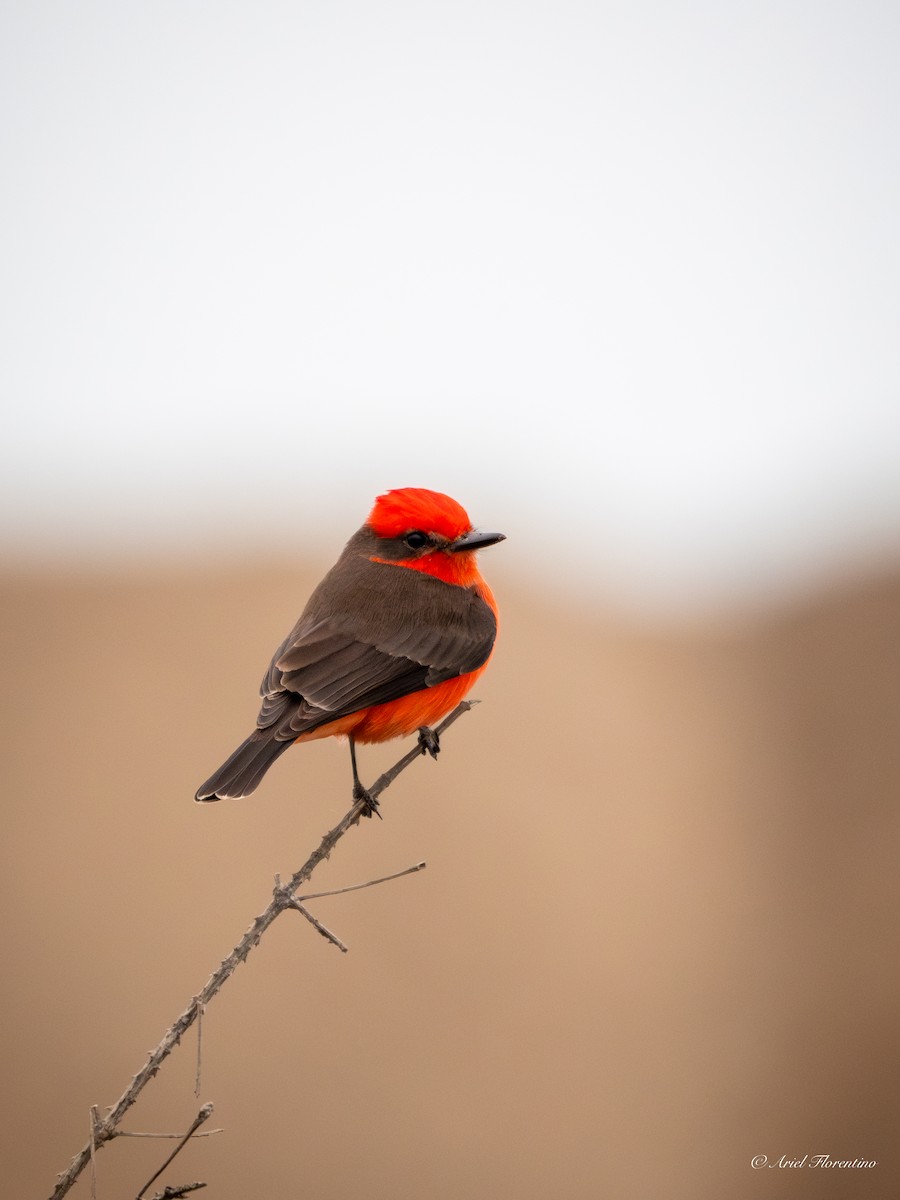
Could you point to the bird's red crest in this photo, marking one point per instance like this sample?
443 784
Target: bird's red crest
402 509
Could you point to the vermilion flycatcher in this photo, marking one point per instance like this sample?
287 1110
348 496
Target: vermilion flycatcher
390 641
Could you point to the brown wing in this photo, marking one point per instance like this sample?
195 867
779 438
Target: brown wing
371 632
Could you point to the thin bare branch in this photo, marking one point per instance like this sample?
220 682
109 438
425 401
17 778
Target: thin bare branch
200 1008
355 887
95 1122
174 1193
295 901
203 1115
325 932
162 1136
103 1129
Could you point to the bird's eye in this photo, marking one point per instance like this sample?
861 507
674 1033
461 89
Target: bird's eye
416 540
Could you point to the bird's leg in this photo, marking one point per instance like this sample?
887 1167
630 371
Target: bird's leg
429 742
359 792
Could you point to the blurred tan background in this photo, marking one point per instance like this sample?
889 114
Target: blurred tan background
657 934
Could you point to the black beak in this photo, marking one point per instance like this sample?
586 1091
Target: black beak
476 540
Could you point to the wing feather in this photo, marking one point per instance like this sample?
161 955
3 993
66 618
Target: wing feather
371 632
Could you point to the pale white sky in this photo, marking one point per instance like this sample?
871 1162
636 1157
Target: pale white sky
624 278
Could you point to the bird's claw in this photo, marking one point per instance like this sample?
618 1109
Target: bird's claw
429 742
361 794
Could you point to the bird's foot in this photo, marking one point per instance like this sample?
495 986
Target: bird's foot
429 742
371 804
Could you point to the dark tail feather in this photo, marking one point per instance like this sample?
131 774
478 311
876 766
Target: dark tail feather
242 772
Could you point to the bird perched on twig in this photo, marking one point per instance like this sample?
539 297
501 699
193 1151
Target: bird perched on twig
390 641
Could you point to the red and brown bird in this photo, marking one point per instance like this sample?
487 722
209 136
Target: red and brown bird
390 641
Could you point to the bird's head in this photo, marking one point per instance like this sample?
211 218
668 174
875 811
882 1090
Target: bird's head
428 531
